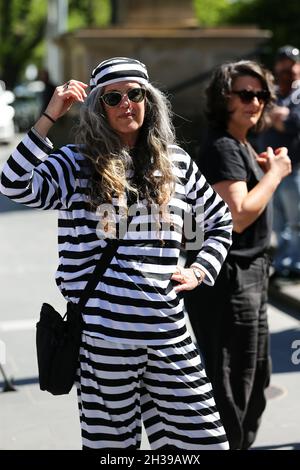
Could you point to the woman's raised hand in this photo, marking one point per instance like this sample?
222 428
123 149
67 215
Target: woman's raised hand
64 96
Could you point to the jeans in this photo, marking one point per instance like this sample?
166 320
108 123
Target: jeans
230 323
287 224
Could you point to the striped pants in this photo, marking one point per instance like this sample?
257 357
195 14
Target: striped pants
119 385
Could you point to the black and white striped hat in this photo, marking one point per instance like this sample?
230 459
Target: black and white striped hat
118 69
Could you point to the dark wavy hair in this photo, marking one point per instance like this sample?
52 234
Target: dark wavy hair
220 87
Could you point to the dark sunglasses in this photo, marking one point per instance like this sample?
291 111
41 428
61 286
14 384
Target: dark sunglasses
246 96
113 98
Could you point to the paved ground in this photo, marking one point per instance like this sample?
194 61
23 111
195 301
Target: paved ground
31 419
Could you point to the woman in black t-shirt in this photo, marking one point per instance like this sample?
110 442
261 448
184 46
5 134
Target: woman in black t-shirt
230 319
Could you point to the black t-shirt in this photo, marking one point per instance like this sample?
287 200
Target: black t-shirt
224 158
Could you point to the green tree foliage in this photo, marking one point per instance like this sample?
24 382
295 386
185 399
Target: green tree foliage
88 13
282 18
213 12
23 29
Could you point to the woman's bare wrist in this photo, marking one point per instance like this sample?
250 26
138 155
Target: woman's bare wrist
43 125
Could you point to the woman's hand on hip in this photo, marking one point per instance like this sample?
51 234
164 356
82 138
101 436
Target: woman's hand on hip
186 279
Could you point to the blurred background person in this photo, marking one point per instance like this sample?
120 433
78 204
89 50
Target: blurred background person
230 319
284 131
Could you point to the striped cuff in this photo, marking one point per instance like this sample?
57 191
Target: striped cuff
47 142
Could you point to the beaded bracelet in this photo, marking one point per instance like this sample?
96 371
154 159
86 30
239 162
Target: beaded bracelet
49 117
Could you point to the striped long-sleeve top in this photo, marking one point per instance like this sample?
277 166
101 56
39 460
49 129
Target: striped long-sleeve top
135 301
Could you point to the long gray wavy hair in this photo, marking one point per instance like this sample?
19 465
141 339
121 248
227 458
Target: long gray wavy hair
153 178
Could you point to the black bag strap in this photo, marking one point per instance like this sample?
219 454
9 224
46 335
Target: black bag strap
103 263
101 266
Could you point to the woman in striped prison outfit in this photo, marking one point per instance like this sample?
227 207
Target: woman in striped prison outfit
126 178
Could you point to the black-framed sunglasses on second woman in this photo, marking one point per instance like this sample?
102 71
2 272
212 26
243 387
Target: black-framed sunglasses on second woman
246 96
113 98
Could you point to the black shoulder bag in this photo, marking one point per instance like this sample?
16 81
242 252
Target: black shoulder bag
58 338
